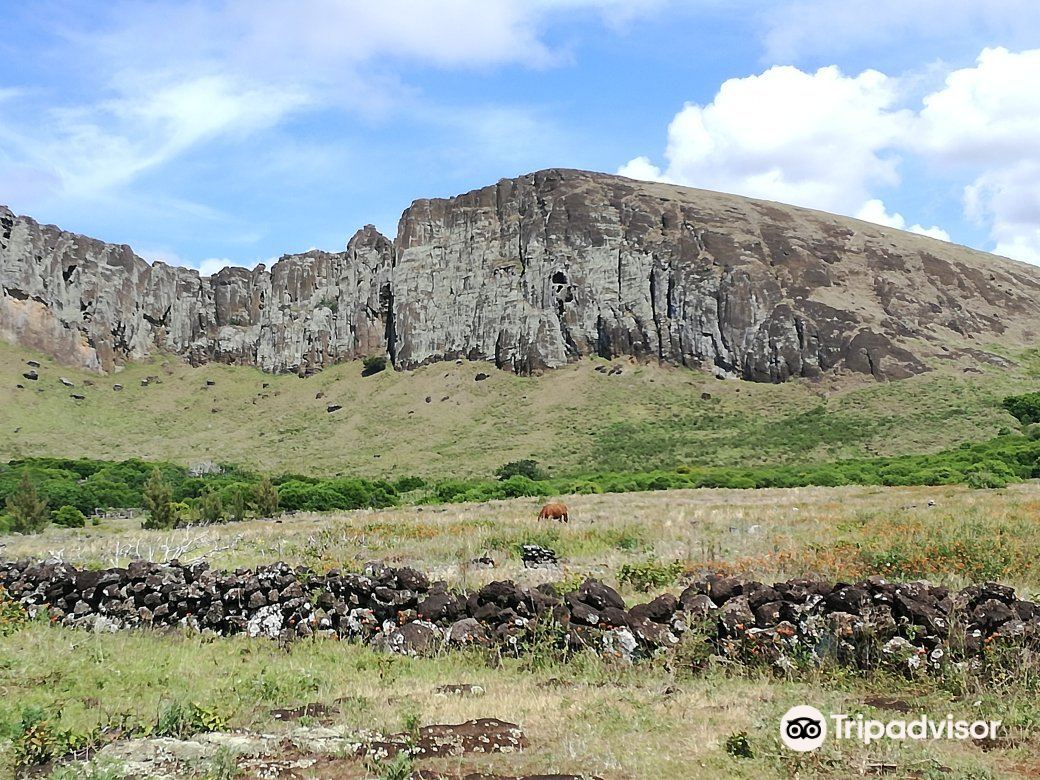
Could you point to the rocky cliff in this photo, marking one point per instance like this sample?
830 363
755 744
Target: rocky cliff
534 272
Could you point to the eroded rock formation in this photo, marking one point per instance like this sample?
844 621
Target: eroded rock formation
532 273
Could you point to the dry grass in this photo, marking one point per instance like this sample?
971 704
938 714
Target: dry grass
616 722
834 532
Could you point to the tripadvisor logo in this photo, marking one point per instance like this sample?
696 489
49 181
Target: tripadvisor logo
804 728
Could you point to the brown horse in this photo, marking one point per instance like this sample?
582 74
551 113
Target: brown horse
554 510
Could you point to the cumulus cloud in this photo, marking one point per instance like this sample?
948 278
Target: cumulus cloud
829 140
986 114
986 118
874 211
815 139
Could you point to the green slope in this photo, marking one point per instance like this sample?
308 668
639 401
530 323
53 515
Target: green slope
575 419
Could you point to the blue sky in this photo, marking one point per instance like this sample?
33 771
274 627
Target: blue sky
232 131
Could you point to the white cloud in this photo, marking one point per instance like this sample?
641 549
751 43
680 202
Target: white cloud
874 211
206 267
815 139
212 265
986 114
827 140
832 28
168 77
987 119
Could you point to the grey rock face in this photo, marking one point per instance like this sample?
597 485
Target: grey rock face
532 273
537 271
99 305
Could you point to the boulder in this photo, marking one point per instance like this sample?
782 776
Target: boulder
468 631
415 638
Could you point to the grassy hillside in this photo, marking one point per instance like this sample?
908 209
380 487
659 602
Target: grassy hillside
575 419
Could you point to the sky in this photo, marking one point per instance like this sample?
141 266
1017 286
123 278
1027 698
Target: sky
229 132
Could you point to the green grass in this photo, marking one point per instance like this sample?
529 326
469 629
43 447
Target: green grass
572 420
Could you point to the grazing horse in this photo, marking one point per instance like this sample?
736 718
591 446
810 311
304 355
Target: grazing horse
554 510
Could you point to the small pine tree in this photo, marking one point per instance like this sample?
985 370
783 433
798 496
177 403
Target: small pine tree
158 497
266 498
28 511
238 505
211 508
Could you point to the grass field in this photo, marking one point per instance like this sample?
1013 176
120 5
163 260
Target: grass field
669 718
572 420
655 720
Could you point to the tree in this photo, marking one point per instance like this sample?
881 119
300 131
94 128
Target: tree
238 504
158 497
28 511
211 508
266 498
523 468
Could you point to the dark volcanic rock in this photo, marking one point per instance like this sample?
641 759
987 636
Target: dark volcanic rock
863 624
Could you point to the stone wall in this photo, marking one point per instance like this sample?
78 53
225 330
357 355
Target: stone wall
875 622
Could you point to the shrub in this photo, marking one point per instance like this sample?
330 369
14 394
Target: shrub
518 486
34 743
406 484
1025 408
572 582
981 479
580 487
210 507
451 489
739 746
182 512
373 365
353 493
397 768
183 720
310 498
238 504
69 517
12 615
37 739
649 575
524 468
330 303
